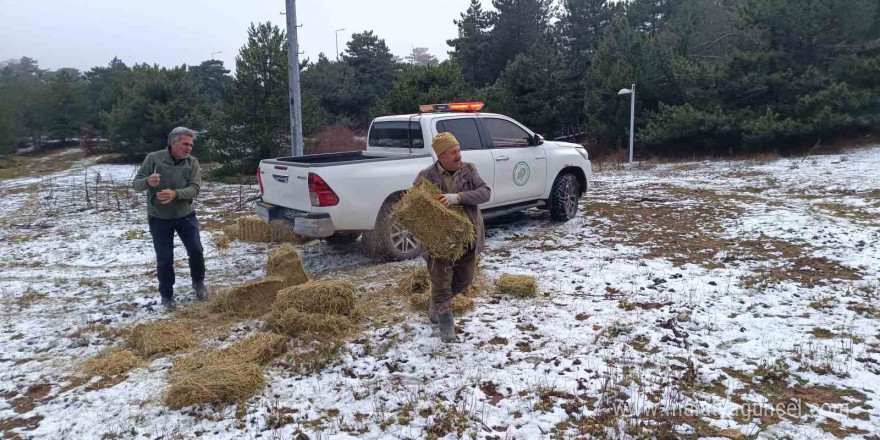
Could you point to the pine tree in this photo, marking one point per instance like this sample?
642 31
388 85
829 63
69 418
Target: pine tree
582 25
105 85
517 25
421 57
374 70
67 104
424 85
471 49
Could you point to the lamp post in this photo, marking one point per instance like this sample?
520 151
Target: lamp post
215 53
337 42
632 116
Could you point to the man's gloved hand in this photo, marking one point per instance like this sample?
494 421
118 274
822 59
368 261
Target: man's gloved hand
448 199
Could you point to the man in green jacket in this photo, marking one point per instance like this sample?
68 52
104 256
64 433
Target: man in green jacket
172 179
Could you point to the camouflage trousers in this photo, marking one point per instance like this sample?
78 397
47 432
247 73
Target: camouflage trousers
449 278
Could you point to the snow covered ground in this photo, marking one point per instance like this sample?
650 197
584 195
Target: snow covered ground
722 299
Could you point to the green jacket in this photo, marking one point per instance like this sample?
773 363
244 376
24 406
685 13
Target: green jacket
184 177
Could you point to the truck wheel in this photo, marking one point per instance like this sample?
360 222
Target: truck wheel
342 238
389 240
564 197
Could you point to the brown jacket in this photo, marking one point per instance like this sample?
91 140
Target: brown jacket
472 191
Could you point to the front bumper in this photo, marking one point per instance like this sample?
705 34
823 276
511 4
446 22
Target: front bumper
317 225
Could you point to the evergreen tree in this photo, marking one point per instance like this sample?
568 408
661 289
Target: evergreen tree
374 69
517 25
211 87
471 49
424 85
421 57
333 87
105 85
582 25
67 105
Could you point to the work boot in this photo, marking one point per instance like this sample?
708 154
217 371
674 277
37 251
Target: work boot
447 327
432 311
200 290
169 303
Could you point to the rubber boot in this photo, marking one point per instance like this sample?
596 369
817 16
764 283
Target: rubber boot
200 290
447 327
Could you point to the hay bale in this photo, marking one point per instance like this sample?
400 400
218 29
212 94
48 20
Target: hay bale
336 297
444 232
257 349
111 364
249 300
160 337
461 303
416 281
523 286
219 380
293 322
221 240
254 229
231 231
287 264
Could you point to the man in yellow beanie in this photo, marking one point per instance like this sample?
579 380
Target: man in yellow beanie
461 185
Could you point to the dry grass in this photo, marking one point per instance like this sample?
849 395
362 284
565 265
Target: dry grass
43 163
258 349
461 303
334 297
218 381
111 364
523 286
161 337
287 264
444 232
295 323
249 300
415 281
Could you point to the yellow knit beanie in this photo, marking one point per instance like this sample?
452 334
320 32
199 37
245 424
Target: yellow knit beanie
443 142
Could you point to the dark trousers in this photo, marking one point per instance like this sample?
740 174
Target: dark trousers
187 229
449 278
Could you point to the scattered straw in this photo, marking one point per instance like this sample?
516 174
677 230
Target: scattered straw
257 349
444 232
221 240
160 337
335 297
111 364
249 300
286 263
294 323
523 286
220 380
416 281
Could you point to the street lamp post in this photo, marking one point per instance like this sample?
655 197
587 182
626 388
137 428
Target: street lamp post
215 53
337 42
632 116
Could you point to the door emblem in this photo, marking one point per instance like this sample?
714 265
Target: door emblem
521 173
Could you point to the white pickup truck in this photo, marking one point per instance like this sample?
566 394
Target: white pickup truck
340 196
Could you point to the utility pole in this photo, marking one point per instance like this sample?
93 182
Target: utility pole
296 136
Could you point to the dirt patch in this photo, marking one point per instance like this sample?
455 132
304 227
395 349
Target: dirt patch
31 398
40 164
29 424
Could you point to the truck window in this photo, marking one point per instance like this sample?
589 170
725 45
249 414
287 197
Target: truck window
465 130
396 134
505 134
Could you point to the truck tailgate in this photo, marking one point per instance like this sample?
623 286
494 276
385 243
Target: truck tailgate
286 185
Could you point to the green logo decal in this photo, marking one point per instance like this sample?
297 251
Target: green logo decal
521 173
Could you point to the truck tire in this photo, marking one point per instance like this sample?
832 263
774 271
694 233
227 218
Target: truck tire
388 240
564 197
342 238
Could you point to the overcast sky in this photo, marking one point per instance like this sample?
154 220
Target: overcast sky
83 34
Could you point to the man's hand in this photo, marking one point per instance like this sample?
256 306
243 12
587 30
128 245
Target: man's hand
153 179
448 199
166 195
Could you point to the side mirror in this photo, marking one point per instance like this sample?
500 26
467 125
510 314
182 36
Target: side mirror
537 139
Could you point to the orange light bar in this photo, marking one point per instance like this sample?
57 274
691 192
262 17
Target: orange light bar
453 107
466 106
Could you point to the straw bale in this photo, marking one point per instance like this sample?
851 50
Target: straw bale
257 349
336 297
460 303
519 285
220 380
294 322
231 231
286 263
416 281
221 240
160 337
443 232
111 364
254 229
249 300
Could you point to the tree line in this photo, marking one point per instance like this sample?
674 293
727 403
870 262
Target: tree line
712 76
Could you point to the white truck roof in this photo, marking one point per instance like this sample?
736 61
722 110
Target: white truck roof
414 116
